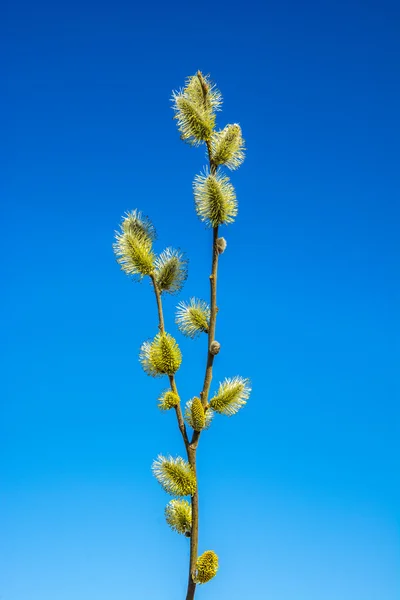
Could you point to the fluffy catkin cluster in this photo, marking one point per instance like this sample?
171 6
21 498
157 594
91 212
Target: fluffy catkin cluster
195 107
206 567
195 110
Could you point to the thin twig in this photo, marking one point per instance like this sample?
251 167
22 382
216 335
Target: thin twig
157 293
179 416
213 319
172 382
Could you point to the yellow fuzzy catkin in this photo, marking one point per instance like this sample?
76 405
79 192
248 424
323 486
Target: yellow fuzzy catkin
194 124
170 270
202 92
138 225
193 317
228 147
231 396
206 567
162 356
133 245
167 400
215 199
195 108
198 416
175 475
178 514
208 416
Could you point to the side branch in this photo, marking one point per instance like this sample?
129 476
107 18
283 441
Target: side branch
161 327
179 416
190 454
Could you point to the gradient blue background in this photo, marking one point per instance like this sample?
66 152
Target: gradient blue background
299 493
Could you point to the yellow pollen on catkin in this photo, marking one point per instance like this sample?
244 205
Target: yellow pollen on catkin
206 567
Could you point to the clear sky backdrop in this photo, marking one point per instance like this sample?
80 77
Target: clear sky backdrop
300 492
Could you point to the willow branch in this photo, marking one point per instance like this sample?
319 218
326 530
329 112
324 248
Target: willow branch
179 416
190 454
172 382
192 448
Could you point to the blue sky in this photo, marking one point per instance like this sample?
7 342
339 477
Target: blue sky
300 492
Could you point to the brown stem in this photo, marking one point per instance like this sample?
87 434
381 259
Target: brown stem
213 319
191 454
194 536
179 416
161 326
192 448
213 297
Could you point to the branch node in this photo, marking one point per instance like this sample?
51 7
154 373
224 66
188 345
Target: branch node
215 347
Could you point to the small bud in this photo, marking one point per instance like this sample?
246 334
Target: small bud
215 347
221 245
